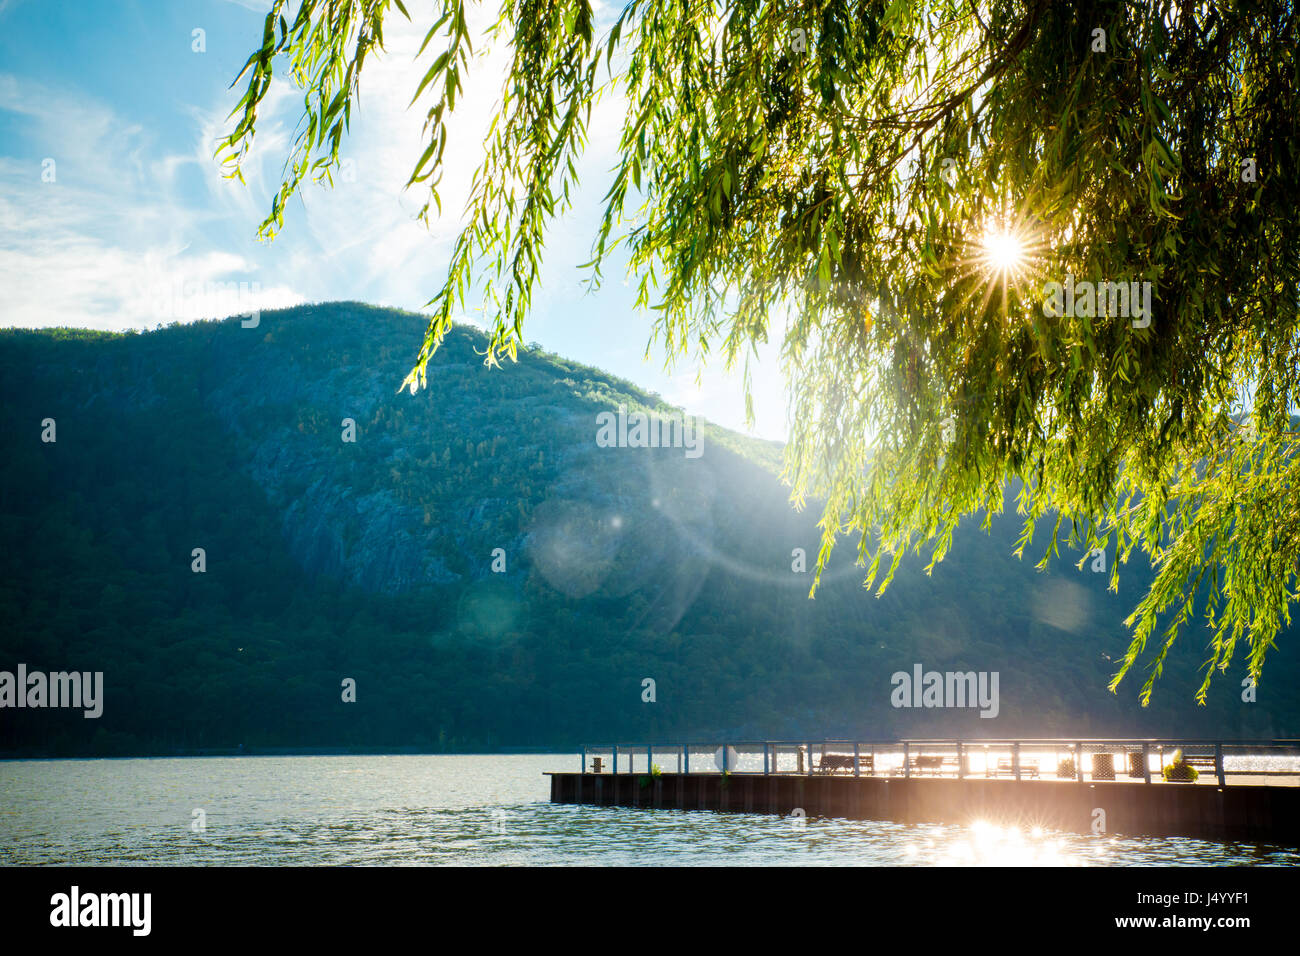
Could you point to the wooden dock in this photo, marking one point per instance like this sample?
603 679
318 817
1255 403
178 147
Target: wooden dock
1258 814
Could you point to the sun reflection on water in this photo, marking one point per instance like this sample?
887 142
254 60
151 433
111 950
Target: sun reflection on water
988 844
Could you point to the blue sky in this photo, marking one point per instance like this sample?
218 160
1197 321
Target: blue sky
114 215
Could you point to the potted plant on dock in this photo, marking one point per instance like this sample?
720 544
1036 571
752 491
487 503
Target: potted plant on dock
1180 771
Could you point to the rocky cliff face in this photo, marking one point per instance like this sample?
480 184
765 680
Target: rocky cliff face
380 489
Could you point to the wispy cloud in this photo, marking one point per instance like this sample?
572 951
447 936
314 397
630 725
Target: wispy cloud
93 226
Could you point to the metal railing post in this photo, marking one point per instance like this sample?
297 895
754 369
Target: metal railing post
1015 758
1218 761
615 770
961 762
686 758
765 767
907 761
857 770
1146 763
582 760
810 762
1078 762
649 759
725 754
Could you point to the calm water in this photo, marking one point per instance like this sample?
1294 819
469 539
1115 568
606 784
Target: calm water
467 810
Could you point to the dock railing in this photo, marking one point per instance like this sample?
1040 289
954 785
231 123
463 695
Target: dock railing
1077 760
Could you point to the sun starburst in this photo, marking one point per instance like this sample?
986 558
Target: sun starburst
1000 259
1004 252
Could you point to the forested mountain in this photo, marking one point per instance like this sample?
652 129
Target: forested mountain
328 559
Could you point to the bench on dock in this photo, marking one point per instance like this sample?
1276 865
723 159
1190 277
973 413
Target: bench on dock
1007 765
833 763
934 763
